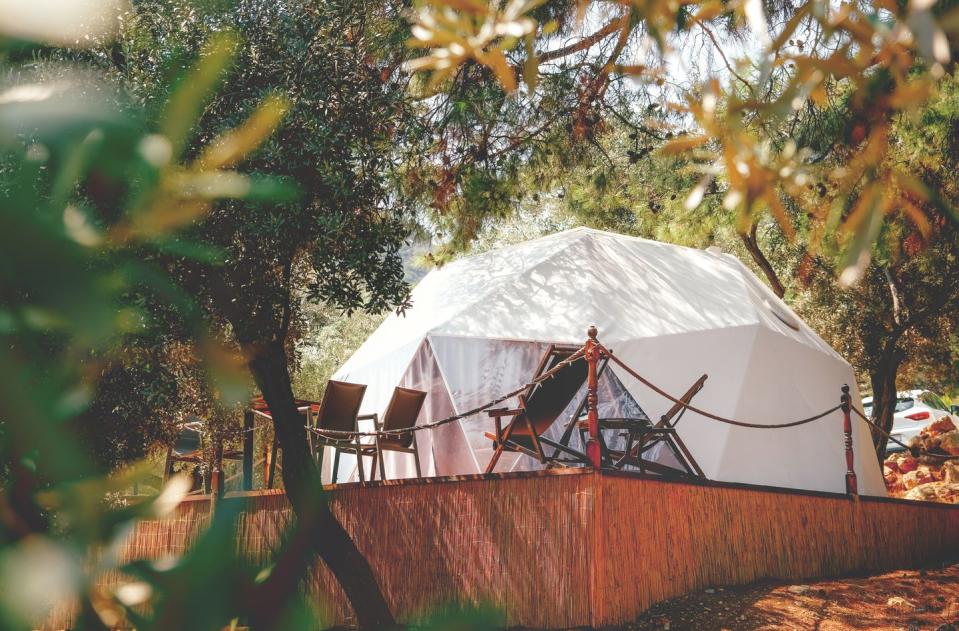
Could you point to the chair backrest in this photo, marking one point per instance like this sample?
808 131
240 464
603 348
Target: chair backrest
189 438
402 412
188 441
545 401
677 408
340 406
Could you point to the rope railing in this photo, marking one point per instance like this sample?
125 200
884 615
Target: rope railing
549 374
710 415
914 451
348 434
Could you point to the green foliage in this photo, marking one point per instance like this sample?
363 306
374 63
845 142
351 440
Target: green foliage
328 339
87 190
345 112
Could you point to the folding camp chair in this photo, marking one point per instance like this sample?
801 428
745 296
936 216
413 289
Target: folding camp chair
539 407
338 411
401 413
642 436
188 447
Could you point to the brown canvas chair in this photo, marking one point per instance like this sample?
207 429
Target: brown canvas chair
401 413
539 407
338 411
642 436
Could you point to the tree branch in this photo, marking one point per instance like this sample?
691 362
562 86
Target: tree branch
752 245
722 54
586 42
894 292
287 303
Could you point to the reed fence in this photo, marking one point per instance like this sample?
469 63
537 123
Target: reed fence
577 547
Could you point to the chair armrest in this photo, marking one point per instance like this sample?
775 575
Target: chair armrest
370 417
498 412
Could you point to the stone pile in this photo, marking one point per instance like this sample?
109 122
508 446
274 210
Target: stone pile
927 477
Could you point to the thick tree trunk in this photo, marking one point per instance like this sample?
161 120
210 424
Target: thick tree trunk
883 379
318 532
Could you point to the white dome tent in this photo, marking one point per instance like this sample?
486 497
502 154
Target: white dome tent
479 326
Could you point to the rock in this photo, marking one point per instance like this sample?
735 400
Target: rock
950 472
907 464
914 478
948 493
942 426
949 442
798 589
896 489
900 603
710 590
924 493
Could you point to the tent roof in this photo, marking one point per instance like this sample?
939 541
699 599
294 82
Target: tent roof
552 288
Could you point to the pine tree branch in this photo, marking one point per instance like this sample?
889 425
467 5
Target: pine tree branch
586 42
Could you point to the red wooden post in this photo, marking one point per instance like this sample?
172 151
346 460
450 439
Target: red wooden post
852 486
593 451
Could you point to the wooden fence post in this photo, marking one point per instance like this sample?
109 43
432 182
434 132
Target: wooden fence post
217 481
248 425
852 486
593 451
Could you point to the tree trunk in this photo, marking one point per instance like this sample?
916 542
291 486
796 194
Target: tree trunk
318 532
883 379
751 242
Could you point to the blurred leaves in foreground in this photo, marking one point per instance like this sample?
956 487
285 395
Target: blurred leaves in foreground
97 196
90 191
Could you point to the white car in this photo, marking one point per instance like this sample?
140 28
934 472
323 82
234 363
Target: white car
915 409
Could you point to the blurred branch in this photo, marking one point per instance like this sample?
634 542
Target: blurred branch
586 42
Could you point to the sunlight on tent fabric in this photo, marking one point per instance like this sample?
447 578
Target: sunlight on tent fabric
478 328
61 22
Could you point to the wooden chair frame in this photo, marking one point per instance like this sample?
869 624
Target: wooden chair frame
502 439
349 445
377 449
640 438
196 456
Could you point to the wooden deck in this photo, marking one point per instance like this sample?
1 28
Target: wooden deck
577 547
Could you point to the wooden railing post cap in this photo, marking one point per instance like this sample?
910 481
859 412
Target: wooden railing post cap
845 388
592 332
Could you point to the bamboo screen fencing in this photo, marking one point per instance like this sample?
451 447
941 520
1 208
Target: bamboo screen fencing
574 547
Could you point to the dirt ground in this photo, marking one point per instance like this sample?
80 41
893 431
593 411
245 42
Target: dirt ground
902 600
